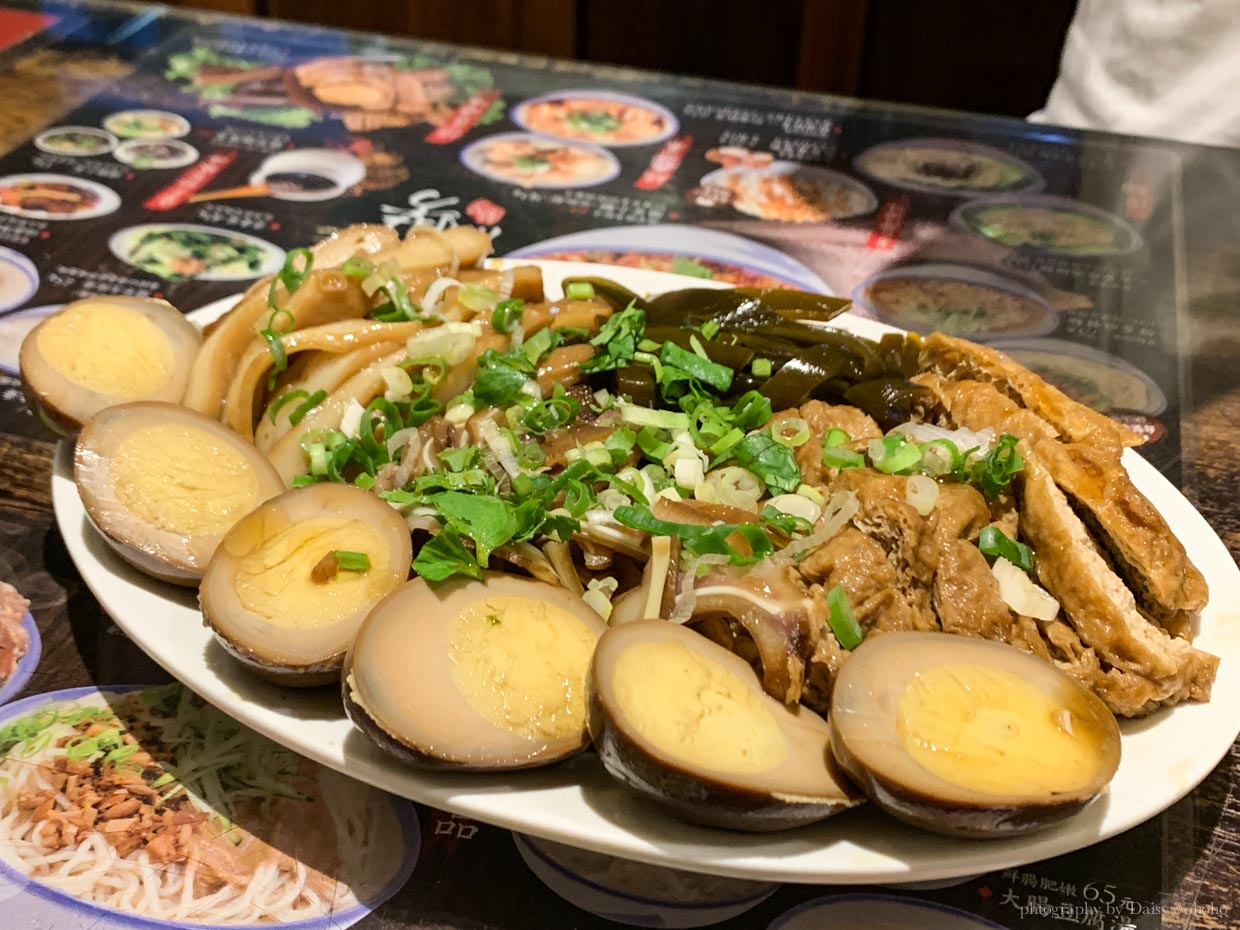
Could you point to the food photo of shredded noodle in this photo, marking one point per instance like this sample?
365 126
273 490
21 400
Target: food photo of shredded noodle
151 804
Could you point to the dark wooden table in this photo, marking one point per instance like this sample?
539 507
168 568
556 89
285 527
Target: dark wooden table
1184 289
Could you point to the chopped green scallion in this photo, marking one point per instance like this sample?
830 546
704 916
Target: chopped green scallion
579 290
995 544
351 561
507 313
840 617
838 457
790 431
894 454
358 268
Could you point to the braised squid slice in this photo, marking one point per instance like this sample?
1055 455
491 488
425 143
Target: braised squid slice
324 296
323 371
287 455
248 378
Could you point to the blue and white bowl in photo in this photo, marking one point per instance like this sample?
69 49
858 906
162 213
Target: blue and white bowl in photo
31 901
14 328
637 894
19 279
12 686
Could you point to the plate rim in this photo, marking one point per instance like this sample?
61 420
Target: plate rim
825 853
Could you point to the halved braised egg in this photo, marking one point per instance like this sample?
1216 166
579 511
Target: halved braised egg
163 484
103 351
686 723
292 581
472 674
969 737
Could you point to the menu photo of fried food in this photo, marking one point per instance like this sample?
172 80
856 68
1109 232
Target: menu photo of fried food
787 192
55 197
364 92
159 810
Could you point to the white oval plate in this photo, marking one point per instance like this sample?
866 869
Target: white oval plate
577 803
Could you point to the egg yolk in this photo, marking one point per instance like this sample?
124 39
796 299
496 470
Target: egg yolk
521 664
109 349
691 708
992 731
182 479
275 562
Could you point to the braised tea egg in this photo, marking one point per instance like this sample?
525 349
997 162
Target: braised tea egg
969 737
292 581
103 351
686 723
474 674
163 484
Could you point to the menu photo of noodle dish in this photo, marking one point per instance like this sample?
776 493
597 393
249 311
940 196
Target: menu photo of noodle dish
146 807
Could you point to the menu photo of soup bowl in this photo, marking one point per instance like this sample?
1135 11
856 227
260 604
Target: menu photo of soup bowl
952 167
634 893
1088 375
600 117
75 141
1043 223
147 124
147 808
956 299
692 251
529 160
